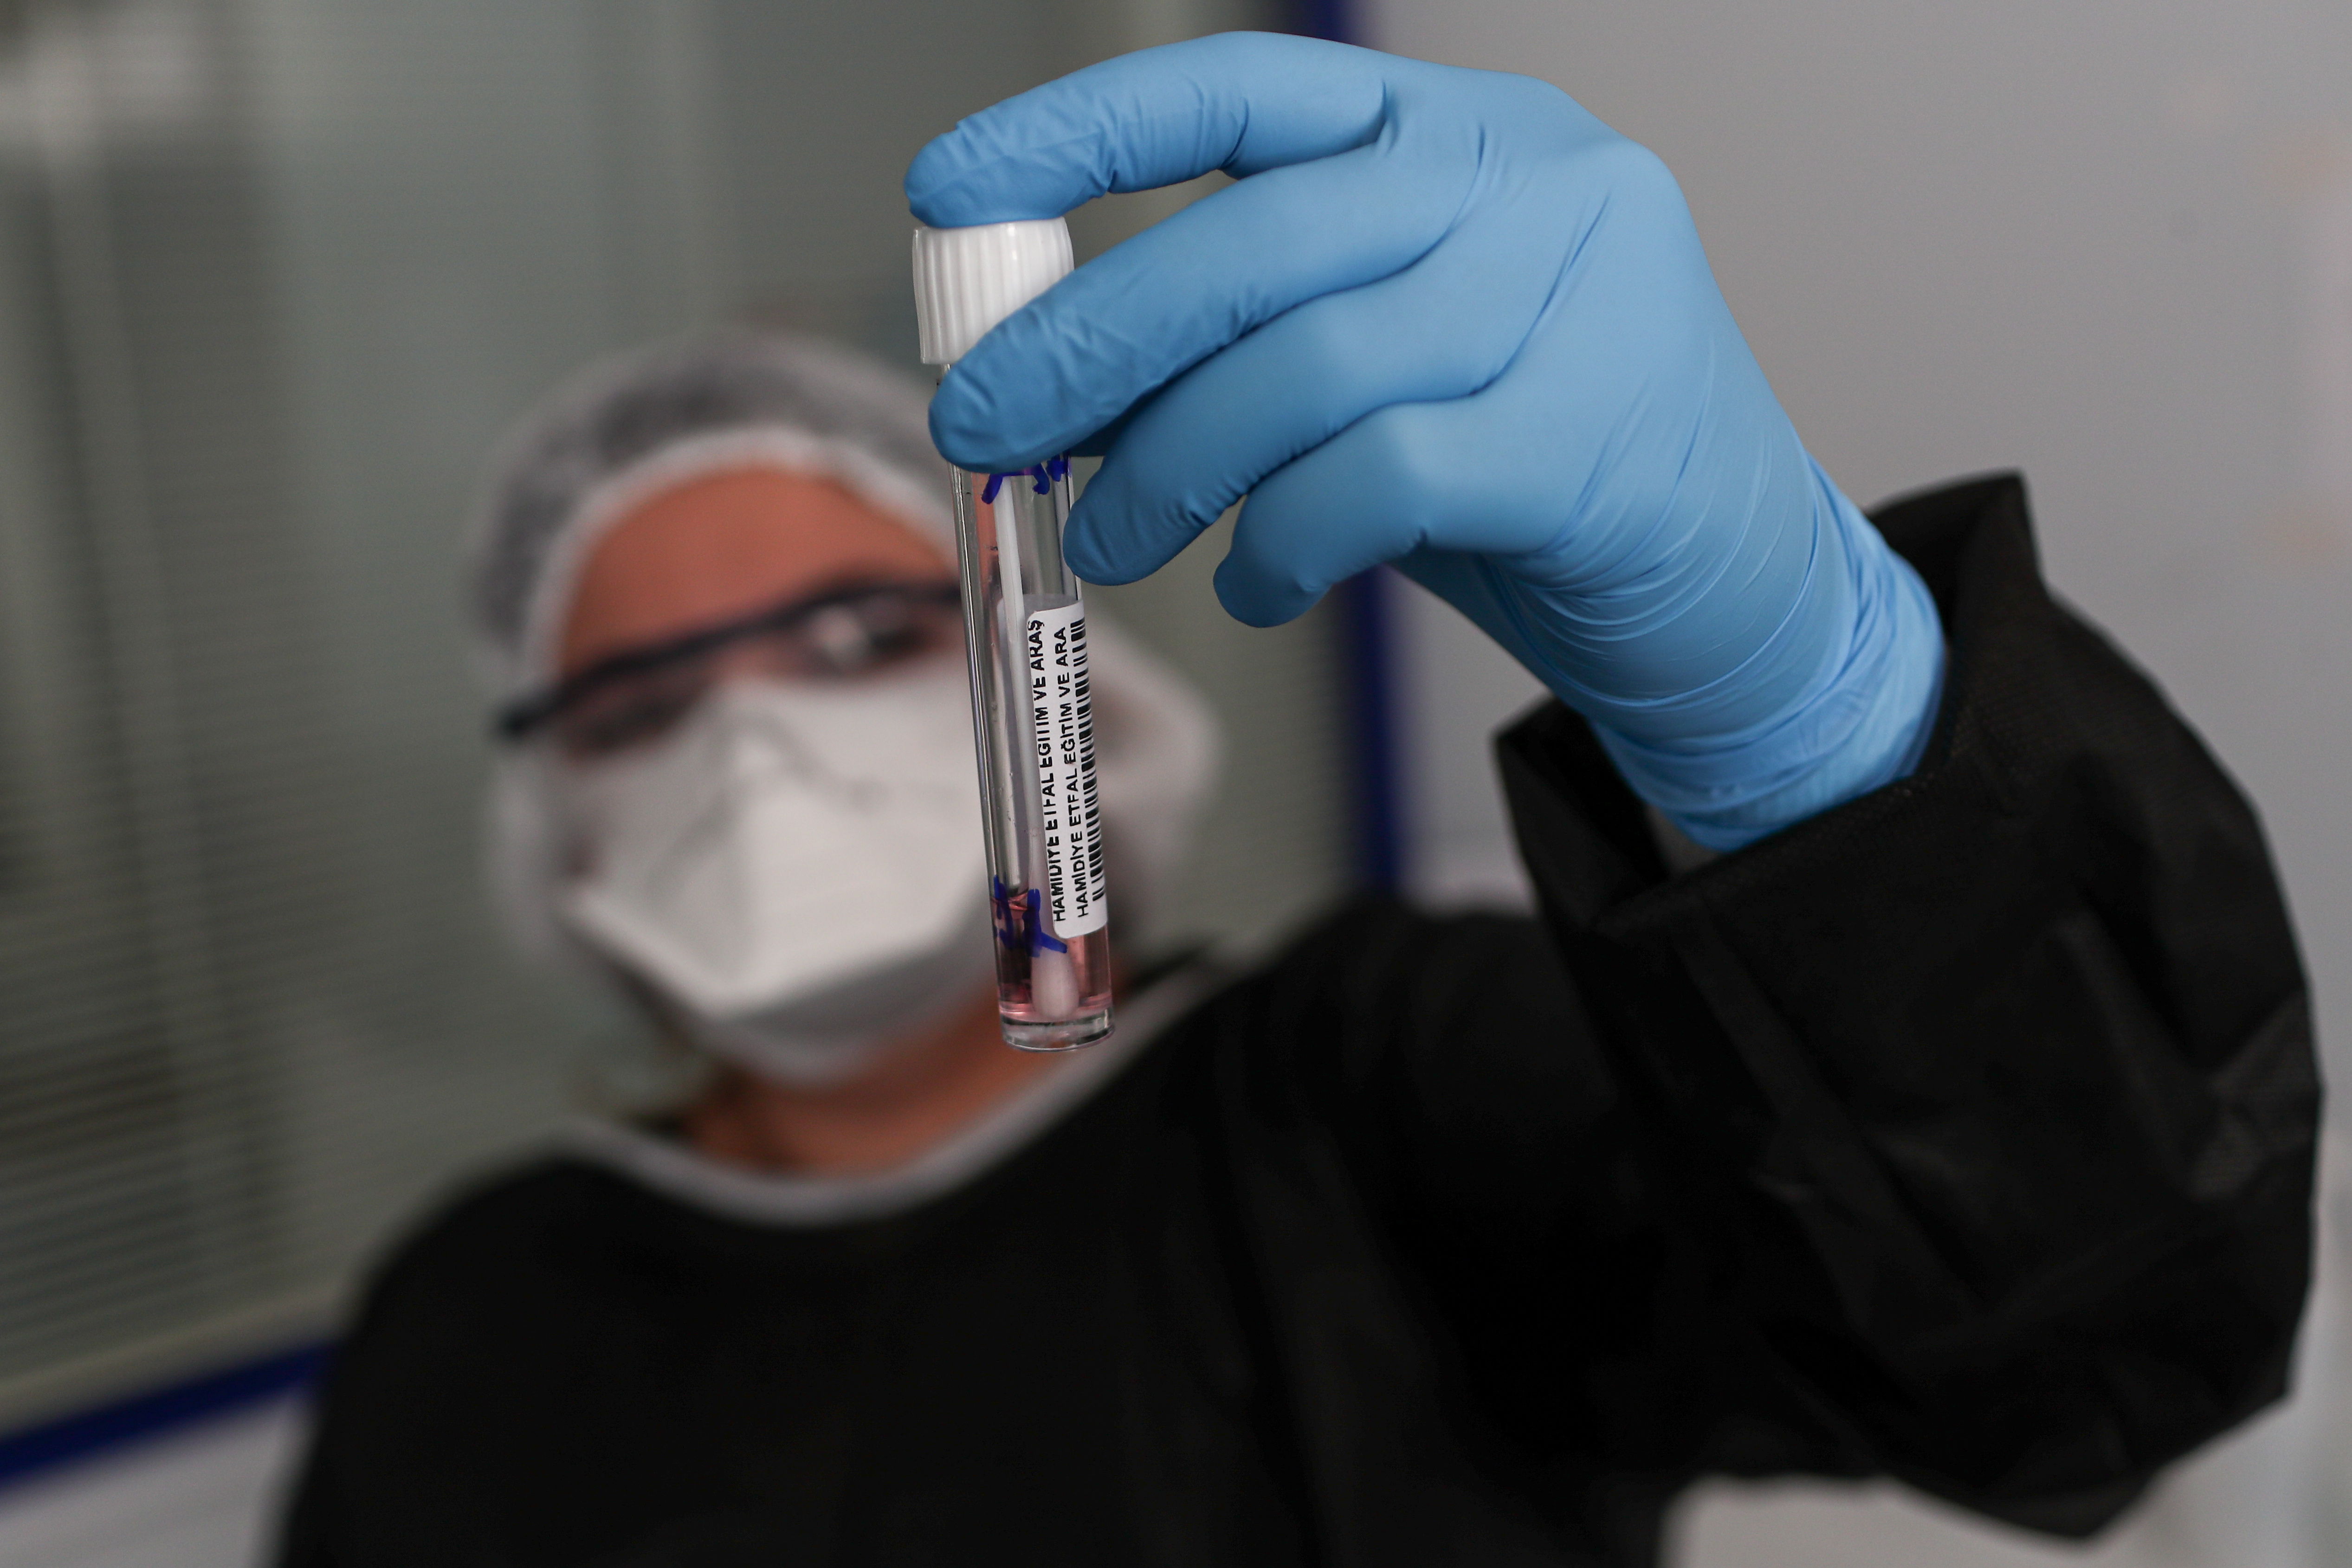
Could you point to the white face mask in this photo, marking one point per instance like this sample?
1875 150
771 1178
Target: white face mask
797 872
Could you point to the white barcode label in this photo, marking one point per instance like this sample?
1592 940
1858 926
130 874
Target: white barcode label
1063 722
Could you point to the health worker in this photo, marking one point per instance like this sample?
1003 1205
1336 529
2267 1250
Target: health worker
1910 1072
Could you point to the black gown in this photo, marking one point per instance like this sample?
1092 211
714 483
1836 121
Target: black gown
1963 1134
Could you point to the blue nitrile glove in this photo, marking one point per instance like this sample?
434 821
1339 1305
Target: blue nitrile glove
1448 319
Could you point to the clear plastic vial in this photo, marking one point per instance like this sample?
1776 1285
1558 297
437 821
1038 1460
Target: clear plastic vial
1025 632
1025 626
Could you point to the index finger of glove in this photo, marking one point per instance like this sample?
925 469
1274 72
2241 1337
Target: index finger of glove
1241 103
1080 355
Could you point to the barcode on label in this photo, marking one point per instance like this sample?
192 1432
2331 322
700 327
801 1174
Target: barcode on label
1063 728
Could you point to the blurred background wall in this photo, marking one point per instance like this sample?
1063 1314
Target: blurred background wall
274 272
2106 242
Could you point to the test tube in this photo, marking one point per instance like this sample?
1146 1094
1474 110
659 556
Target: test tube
1025 635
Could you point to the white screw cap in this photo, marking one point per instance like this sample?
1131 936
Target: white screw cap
969 279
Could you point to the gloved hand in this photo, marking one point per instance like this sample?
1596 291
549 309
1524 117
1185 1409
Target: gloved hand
1448 319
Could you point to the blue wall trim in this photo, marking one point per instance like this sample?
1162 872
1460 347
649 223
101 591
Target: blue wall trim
35 1450
1369 641
1365 614
1325 19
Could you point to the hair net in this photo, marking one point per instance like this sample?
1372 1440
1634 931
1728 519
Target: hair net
634 426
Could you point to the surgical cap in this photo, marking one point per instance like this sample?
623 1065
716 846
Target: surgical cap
636 423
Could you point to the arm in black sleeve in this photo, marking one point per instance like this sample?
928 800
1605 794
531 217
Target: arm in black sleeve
1971 1122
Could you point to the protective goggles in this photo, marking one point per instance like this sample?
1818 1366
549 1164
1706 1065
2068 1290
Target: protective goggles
637 694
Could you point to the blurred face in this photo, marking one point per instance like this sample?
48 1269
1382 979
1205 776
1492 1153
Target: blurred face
770 795
752 573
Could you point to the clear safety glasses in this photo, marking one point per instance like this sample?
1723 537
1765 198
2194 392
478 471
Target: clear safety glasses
638 694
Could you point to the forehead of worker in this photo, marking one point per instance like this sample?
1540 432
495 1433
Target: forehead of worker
729 544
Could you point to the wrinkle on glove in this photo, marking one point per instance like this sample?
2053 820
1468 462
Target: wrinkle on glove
1859 723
